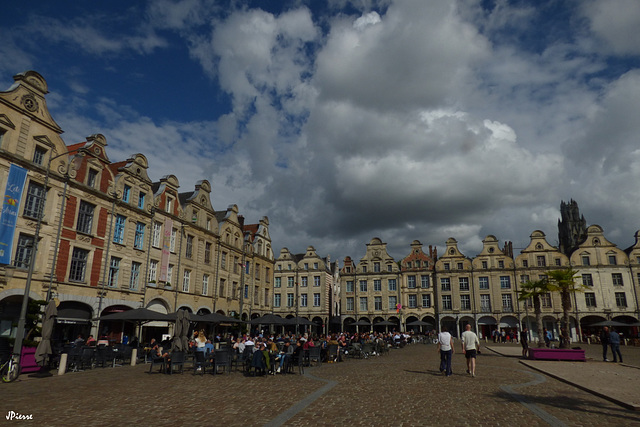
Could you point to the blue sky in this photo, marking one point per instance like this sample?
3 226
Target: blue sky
346 120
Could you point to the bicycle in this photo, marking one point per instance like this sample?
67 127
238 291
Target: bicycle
10 369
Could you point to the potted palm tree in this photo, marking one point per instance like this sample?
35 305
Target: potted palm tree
564 282
533 290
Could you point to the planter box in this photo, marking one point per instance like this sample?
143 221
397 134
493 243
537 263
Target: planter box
28 360
557 354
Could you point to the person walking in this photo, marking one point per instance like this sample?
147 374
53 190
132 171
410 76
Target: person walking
524 342
445 347
470 346
614 340
604 340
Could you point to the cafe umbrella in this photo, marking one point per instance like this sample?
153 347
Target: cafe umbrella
43 352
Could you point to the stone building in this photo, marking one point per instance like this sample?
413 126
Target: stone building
109 239
305 287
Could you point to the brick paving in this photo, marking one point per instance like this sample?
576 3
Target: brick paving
403 388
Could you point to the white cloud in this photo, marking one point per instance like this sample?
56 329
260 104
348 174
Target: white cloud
616 22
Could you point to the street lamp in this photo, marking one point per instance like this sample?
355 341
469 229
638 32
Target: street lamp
17 347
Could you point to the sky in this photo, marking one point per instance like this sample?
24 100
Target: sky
345 120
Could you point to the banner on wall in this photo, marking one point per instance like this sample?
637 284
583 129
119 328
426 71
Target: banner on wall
166 249
9 215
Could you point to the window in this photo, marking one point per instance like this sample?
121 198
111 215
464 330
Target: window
621 299
157 234
507 304
289 300
305 282
465 302
236 264
172 240
612 260
349 303
464 283
349 286
34 201
221 293
209 229
363 286
485 265
376 267
126 193
266 297
485 303
186 280
460 266
364 268
424 281
413 301
500 264
141 197
316 280
306 265
542 262
303 300
316 300
411 282
170 273
189 247
38 155
24 250
447 266
587 280
223 260
525 263
138 242
134 280
347 269
392 285
389 267
118 229
590 299
315 265
393 302
545 300
78 266
276 300
377 285
524 278
205 284
617 279
445 283
558 263
277 282
377 303
92 178
426 301
114 272
483 283
505 282
585 260
207 253
289 282
364 304
446 302
194 216
153 270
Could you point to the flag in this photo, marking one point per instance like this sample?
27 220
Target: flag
398 307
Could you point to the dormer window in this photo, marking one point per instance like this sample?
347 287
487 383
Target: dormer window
38 155
92 178
126 193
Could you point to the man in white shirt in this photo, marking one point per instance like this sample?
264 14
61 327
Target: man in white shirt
470 346
445 347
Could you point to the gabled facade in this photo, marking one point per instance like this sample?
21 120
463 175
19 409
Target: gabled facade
416 286
109 238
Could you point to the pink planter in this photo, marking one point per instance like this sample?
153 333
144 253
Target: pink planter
556 354
28 360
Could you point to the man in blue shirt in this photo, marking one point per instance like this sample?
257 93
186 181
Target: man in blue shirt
614 340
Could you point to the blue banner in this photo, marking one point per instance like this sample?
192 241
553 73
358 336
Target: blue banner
12 196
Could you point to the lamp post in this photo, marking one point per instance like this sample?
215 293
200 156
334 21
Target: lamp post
17 348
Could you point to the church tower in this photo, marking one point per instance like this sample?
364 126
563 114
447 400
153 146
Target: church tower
572 228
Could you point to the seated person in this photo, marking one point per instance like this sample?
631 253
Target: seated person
285 354
91 341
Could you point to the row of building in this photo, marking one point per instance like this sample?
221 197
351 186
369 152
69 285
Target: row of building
103 238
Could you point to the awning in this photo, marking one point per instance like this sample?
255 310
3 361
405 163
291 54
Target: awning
73 315
486 320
